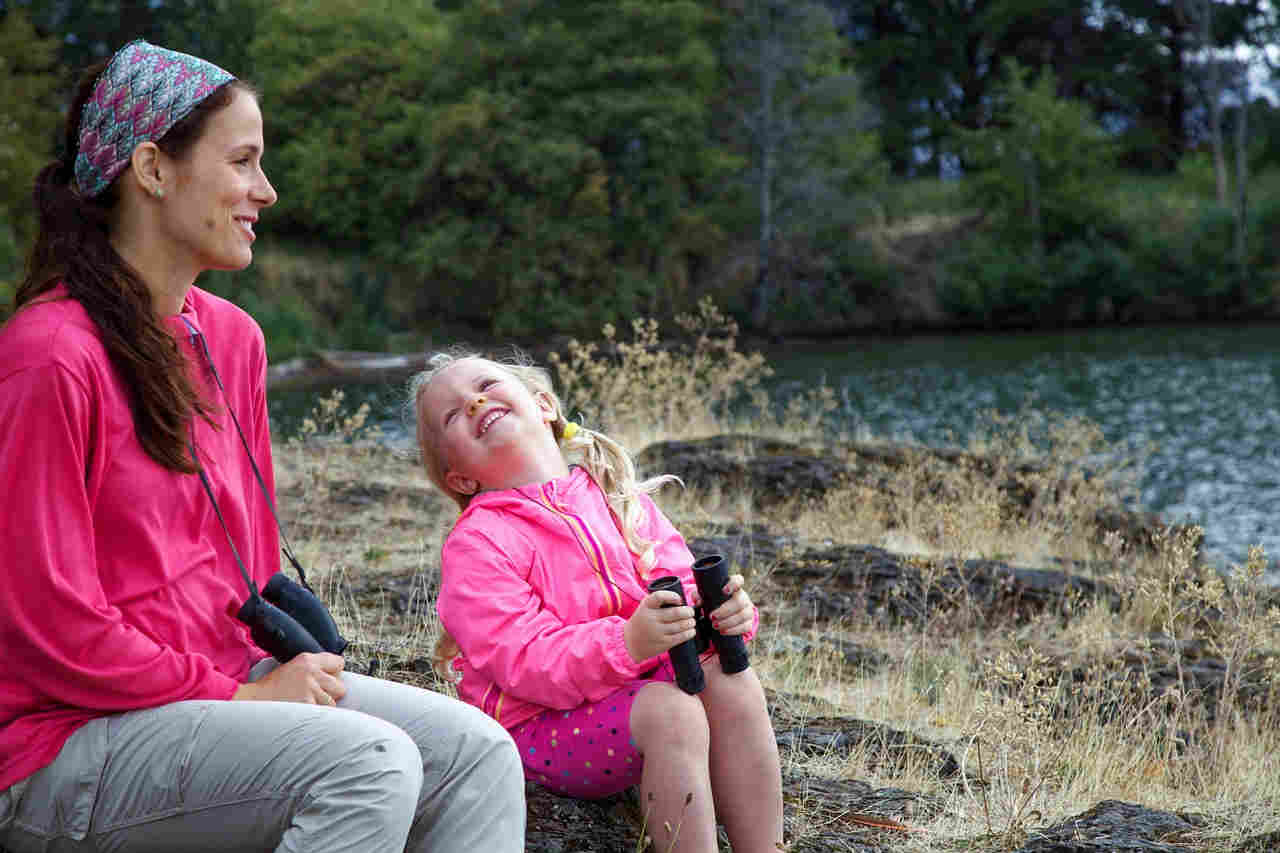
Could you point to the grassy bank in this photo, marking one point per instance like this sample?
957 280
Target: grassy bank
1050 712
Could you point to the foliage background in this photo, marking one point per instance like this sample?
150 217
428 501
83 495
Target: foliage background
528 169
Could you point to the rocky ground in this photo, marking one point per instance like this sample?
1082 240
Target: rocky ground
824 583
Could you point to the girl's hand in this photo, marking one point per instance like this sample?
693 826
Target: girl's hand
310 678
654 627
738 614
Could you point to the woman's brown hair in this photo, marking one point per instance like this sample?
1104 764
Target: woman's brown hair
73 247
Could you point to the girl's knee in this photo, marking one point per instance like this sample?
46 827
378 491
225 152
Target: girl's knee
664 713
741 689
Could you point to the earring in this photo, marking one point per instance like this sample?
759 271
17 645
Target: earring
158 192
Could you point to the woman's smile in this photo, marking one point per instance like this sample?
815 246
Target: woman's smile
246 226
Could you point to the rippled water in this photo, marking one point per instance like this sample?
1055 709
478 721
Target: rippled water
1207 398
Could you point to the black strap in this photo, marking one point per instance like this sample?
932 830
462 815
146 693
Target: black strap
204 480
284 539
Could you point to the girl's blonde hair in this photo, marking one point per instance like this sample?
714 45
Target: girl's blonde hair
608 463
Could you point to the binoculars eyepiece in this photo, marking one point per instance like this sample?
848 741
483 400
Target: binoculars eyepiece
287 619
711 575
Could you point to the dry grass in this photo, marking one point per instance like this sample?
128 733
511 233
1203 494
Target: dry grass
995 694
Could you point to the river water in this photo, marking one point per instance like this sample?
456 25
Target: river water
1203 401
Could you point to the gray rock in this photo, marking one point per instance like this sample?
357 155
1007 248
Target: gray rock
836 580
776 472
1113 826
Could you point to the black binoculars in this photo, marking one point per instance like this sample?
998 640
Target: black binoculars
711 574
288 619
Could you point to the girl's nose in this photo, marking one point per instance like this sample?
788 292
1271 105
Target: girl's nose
475 404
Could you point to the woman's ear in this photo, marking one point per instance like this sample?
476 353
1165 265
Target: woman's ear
147 169
460 484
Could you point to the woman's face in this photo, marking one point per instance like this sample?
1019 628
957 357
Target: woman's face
219 188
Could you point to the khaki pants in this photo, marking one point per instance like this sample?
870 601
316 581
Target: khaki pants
392 768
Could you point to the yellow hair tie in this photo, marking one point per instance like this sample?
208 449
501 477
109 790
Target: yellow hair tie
569 431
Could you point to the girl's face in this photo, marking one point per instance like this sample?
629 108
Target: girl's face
219 189
487 425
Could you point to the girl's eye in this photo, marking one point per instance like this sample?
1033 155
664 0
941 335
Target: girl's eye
486 384
448 417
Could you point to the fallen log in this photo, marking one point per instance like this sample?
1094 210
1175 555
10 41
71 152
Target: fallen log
330 367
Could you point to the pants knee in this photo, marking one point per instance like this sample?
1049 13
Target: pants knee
402 764
381 767
493 748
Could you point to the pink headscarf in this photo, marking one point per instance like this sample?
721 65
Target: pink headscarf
143 92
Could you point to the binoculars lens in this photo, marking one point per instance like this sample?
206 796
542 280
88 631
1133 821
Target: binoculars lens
310 612
711 575
287 619
684 657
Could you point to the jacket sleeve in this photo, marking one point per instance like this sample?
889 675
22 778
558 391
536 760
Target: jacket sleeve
674 557
63 641
508 635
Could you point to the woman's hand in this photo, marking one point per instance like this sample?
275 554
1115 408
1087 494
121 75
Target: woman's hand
738 614
654 627
310 678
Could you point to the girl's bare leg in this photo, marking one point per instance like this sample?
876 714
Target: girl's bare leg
670 730
745 771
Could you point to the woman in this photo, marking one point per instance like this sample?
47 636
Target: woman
135 712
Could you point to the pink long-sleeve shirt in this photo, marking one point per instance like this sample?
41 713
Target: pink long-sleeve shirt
536 586
115 575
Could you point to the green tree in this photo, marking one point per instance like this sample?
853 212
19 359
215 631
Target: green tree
932 64
1036 166
526 166
575 157
1048 253
347 95
28 126
217 30
810 156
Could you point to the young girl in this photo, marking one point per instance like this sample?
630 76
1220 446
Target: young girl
551 629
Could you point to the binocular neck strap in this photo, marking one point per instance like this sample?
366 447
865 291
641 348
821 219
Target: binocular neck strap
284 539
208 490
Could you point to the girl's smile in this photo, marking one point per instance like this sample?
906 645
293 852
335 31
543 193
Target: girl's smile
461 407
490 419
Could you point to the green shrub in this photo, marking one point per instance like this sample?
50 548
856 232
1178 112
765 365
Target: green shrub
991 284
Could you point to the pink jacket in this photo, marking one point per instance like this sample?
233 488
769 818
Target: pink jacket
536 586
115 576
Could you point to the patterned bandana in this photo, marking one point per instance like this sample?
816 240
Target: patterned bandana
144 91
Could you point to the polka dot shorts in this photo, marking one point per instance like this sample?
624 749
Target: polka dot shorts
586 752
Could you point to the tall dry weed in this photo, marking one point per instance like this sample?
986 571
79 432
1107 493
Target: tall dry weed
644 387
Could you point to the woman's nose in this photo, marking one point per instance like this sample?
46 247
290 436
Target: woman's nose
476 403
264 192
